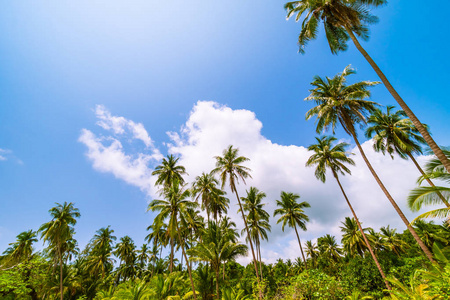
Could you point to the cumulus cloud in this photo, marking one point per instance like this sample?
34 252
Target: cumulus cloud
107 153
211 127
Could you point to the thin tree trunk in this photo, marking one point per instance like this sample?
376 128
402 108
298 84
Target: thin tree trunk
394 204
362 232
423 131
217 283
248 234
60 273
301 248
189 269
260 260
171 255
428 180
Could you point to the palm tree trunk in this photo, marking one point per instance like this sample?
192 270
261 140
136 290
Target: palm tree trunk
394 204
428 180
362 232
260 259
171 255
248 234
189 269
217 283
423 131
60 273
301 248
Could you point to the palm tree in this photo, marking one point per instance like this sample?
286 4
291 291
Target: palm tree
396 134
429 195
217 247
21 249
343 19
219 204
168 171
101 245
312 251
352 239
291 213
338 102
125 251
58 233
326 156
230 168
172 207
143 258
212 199
257 218
328 246
392 240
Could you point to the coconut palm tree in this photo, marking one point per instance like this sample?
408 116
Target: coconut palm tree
352 238
257 218
394 133
168 171
430 195
326 156
328 246
219 204
125 252
312 251
217 247
21 249
176 201
344 20
338 102
392 240
292 213
212 198
58 234
229 167
99 259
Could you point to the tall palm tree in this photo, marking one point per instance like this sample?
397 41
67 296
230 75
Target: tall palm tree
58 234
352 238
168 171
22 249
394 133
219 204
176 201
344 20
217 247
338 102
257 218
229 167
292 213
326 156
205 187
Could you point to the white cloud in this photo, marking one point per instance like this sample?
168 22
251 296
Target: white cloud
212 127
108 155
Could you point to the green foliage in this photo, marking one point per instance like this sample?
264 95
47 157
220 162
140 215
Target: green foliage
314 284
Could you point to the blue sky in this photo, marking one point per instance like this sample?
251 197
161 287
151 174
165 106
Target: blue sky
150 62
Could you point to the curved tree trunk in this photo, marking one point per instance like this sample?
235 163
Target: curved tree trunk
301 248
187 264
362 232
394 204
428 180
423 131
248 234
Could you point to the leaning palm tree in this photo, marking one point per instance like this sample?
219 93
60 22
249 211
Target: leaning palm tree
168 171
326 156
292 213
394 133
257 218
58 234
21 249
338 102
229 167
344 20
